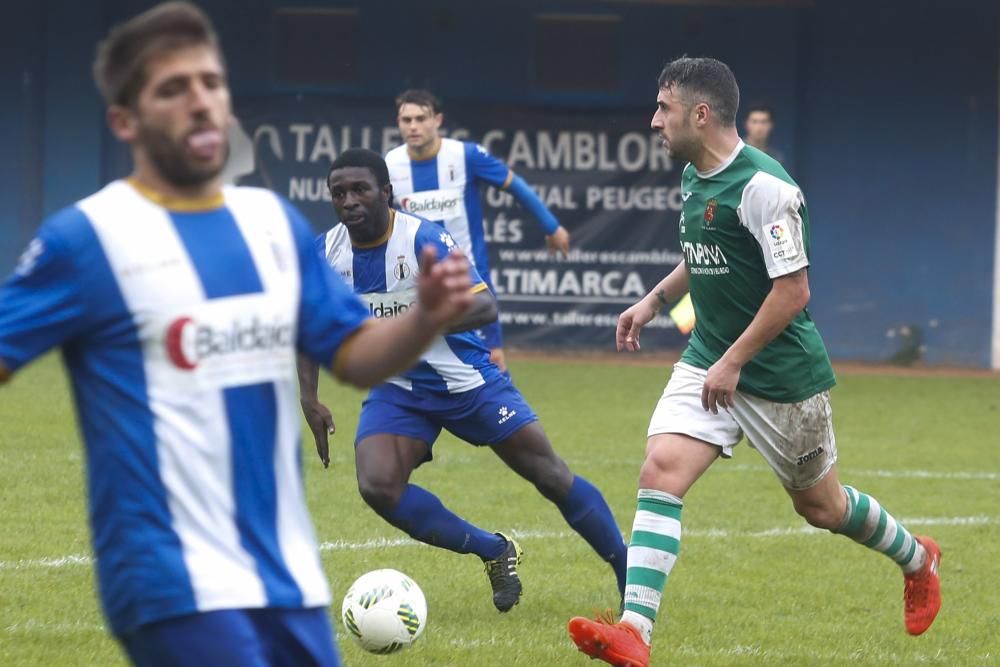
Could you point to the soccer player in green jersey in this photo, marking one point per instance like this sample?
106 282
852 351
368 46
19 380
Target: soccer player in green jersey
755 364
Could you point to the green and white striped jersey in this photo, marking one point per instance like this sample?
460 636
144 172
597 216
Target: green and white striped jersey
743 224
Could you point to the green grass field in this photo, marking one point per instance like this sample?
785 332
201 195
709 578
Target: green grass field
753 586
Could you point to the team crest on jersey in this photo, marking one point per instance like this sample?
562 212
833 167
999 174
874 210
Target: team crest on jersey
402 269
710 213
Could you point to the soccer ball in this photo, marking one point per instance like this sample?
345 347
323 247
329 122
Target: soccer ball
385 611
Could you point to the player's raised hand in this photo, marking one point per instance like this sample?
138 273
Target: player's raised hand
630 323
320 421
444 289
558 241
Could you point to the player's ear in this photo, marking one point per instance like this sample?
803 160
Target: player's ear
702 114
387 193
438 119
122 123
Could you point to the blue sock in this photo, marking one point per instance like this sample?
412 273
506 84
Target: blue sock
421 515
586 511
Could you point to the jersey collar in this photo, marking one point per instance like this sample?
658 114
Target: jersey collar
725 163
437 149
177 203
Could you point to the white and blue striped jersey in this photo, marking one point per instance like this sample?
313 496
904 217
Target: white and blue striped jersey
384 274
179 327
445 189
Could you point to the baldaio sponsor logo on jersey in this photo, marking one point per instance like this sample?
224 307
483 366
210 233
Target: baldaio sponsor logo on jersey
434 204
390 304
391 309
445 206
190 343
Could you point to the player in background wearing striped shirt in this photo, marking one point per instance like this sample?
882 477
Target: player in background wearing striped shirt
755 364
454 386
179 306
439 178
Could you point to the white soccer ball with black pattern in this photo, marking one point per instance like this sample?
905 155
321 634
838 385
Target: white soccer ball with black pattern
385 611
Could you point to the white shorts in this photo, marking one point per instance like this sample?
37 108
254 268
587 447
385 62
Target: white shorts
796 439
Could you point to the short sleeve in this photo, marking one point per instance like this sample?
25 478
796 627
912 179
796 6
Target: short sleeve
435 235
42 304
486 167
770 210
329 311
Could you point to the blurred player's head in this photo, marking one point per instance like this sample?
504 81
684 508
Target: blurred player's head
359 187
163 78
418 114
759 123
697 96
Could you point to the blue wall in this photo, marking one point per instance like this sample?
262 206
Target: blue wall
21 85
898 158
887 112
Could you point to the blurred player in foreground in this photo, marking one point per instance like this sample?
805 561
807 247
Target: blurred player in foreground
755 364
454 386
438 178
179 306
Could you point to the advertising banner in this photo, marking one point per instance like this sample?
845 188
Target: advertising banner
602 173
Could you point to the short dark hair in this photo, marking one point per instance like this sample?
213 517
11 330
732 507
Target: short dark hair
120 64
761 107
361 157
420 97
707 80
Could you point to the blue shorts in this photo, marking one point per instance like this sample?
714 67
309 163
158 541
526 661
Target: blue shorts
244 637
486 415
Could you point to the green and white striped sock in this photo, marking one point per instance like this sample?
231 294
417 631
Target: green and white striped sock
866 522
656 541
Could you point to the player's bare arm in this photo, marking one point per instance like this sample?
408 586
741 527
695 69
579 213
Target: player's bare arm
318 416
788 296
630 322
482 311
382 349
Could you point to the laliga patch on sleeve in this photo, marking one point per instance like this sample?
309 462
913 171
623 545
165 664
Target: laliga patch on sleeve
779 240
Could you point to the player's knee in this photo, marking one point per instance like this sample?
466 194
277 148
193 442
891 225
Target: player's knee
380 494
819 515
553 479
656 468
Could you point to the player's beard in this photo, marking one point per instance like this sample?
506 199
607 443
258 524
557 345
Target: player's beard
682 147
173 164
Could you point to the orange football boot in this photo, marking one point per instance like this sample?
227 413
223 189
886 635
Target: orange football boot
922 591
617 644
